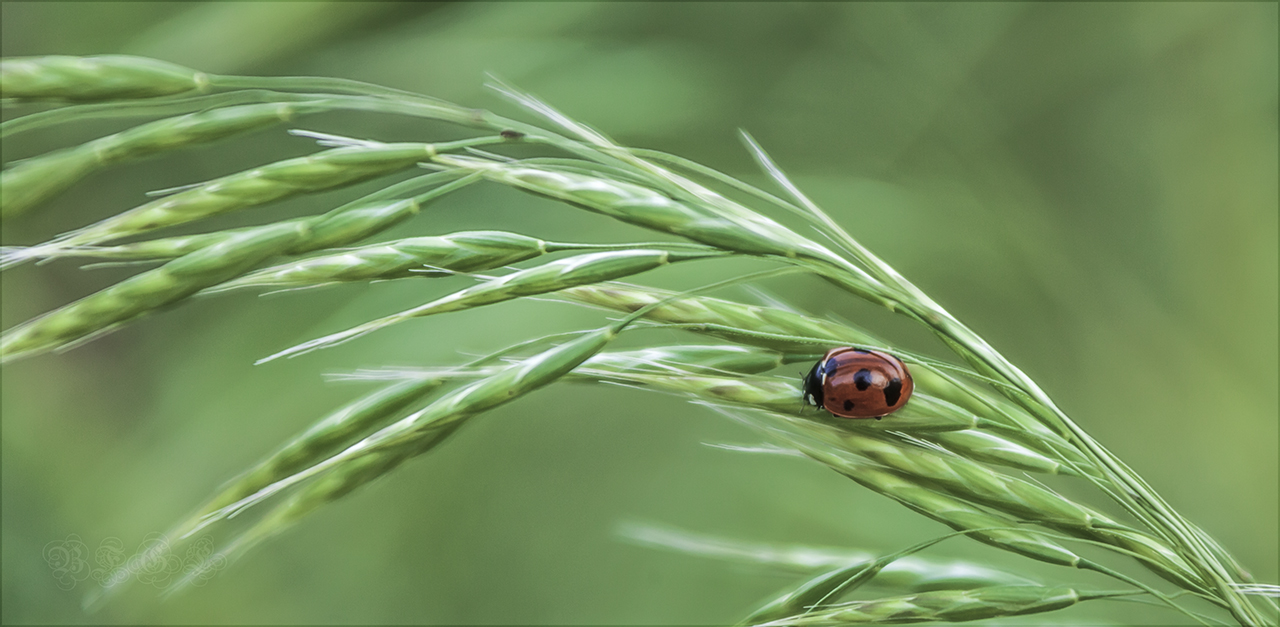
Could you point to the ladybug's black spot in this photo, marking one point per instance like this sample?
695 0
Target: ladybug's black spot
848 405
830 368
893 392
862 379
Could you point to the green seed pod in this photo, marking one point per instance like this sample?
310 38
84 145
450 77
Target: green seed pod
423 427
354 222
383 451
643 207
219 260
823 444
968 480
459 252
336 484
715 311
950 606
271 182
85 79
33 181
990 448
148 291
955 513
322 439
163 248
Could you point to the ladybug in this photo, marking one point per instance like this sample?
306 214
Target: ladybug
855 383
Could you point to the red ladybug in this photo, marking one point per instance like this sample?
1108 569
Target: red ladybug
855 383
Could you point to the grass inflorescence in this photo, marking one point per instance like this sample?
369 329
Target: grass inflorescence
967 450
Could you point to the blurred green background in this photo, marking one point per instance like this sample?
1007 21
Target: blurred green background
1091 187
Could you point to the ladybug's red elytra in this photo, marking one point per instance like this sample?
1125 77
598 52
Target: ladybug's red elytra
854 383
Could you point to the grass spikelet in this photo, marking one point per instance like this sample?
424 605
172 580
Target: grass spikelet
971 481
549 277
915 483
324 490
467 251
990 448
325 437
953 512
271 182
450 410
205 267
828 587
742 232
331 433
950 606
86 79
714 311
145 292
32 181
346 224
159 249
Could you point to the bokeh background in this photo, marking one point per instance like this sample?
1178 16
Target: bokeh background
1091 187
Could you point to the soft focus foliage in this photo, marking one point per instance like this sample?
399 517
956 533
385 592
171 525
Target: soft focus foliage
1093 188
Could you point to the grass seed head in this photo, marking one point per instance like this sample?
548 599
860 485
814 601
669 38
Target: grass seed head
164 248
275 181
708 310
146 292
33 181
642 206
995 449
949 606
415 256
322 439
87 79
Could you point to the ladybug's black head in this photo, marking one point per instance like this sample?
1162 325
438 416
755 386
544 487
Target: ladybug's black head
812 385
